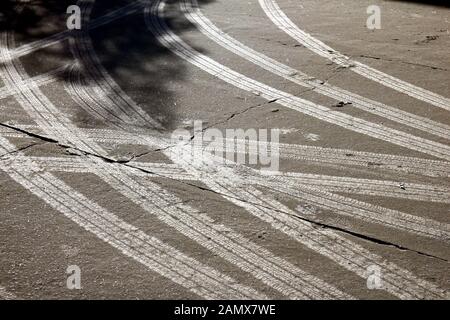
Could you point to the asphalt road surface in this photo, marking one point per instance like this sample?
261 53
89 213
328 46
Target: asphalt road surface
98 200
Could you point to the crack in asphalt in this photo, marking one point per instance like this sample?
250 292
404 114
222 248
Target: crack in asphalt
31 134
44 141
326 226
235 114
404 62
203 188
135 157
4 155
370 238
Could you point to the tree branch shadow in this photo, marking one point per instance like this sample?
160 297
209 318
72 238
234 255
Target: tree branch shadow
125 48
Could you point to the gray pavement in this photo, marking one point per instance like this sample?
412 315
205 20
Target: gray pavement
356 204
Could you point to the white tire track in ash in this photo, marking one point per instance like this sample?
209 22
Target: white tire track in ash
348 254
408 222
341 205
64 35
279 18
339 157
311 194
384 188
219 239
194 14
40 80
313 154
234 248
78 164
38 106
125 109
132 242
183 50
421 290
336 158
396 219
342 251
41 109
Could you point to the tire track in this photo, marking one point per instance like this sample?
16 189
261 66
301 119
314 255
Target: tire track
384 188
77 164
324 156
126 110
39 107
363 211
132 242
421 288
279 18
339 204
168 39
399 220
344 252
234 248
201 172
64 35
330 156
333 184
40 80
194 14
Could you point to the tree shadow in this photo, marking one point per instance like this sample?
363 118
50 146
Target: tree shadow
125 48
